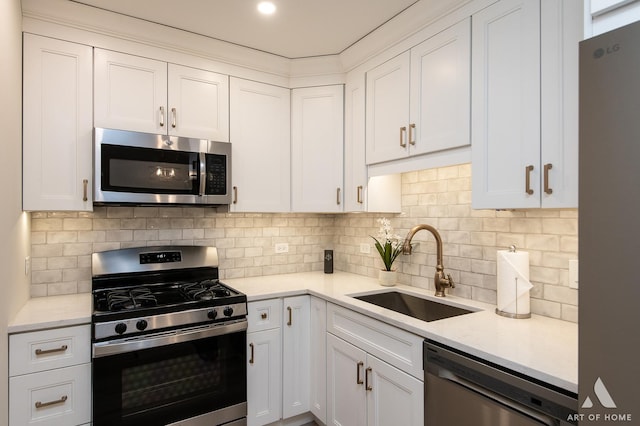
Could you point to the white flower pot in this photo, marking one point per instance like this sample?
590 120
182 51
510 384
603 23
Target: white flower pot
387 278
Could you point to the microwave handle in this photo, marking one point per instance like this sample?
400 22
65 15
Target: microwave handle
203 173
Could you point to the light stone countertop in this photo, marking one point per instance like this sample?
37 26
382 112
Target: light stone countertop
540 347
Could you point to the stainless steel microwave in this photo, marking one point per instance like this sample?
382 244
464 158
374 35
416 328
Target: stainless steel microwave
142 168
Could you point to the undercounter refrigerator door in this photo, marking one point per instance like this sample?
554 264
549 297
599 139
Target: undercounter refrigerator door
609 232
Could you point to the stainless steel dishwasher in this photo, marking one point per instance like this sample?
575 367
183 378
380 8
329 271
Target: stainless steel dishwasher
462 390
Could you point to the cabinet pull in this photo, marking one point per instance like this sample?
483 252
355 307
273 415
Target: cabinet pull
358 378
85 188
412 134
51 351
263 315
235 195
403 131
338 196
62 399
547 189
359 194
367 386
173 117
161 116
290 313
527 184
251 358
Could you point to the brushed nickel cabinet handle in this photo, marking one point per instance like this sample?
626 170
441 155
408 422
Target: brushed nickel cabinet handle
338 196
235 195
367 386
547 188
173 117
62 399
51 351
290 315
161 116
412 134
359 194
358 378
251 360
403 131
527 184
263 315
85 189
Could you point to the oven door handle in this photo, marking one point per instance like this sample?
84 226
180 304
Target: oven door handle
138 343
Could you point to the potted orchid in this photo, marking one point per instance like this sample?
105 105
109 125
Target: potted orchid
389 247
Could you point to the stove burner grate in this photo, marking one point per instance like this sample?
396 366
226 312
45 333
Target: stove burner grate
138 297
204 290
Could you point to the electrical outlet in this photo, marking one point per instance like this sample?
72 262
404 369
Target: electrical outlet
282 248
27 265
365 248
573 274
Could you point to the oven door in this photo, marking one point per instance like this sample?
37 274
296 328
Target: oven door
192 377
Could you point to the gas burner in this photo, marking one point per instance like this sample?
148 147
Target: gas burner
138 297
205 290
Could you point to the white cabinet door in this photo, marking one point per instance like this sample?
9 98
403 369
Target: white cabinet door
387 109
318 359
441 91
264 378
57 131
130 92
355 168
261 144
393 396
295 356
346 396
317 139
198 103
506 105
525 104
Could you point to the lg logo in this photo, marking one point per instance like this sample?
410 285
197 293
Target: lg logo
599 53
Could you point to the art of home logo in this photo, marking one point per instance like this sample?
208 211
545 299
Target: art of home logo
603 400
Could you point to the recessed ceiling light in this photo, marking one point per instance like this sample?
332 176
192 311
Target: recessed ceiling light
266 7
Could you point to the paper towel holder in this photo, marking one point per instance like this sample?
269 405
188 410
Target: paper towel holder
513 249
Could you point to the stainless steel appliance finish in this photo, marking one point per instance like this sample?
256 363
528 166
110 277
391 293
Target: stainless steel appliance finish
465 391
169 339
143 168
609 235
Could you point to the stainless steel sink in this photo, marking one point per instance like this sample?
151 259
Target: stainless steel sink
416 307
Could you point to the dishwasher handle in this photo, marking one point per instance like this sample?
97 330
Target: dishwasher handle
487 393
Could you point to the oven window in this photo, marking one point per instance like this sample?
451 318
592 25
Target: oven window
170 383
133 169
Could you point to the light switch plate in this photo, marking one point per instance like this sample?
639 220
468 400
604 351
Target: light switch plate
573 274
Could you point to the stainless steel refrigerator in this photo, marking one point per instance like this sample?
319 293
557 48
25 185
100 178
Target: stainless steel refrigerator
609 228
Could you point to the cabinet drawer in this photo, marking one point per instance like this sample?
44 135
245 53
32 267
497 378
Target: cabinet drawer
398 347
60 397
264 314
47 349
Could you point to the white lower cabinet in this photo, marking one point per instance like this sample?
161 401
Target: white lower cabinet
50 377
363 390
318 359
264 362
295 356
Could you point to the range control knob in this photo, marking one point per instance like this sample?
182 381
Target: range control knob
228 311
212 314
141 325
121 327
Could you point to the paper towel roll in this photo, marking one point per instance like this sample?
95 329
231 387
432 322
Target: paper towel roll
513 284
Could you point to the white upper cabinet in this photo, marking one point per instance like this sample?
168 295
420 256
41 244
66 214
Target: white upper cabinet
418 102
525 104
606 15
355 170
261 143
145 95
57 131
317 141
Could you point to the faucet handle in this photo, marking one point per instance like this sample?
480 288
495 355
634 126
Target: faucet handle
450 280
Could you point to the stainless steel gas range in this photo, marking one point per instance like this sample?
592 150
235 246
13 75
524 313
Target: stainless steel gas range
169 339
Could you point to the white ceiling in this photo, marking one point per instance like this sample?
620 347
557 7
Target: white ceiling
299 28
